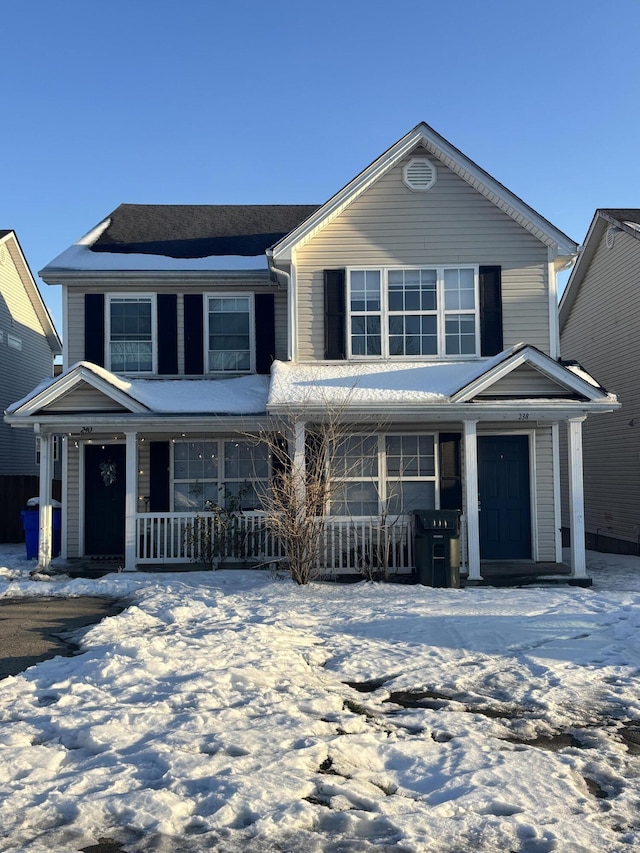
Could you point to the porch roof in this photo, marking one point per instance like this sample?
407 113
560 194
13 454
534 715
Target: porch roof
379 385
242 395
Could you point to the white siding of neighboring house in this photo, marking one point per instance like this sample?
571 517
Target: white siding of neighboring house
451 223
603 334
20 369
75 311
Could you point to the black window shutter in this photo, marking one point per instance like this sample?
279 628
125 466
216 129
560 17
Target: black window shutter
159 477
265 321
334 314
490 310
167 309
450 470
193 334
94 328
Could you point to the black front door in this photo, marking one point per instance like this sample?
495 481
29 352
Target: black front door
505 502
104 493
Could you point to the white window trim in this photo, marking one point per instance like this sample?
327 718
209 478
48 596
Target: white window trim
252 332
383 475
149 297
441 312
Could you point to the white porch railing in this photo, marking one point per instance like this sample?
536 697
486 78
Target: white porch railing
346 545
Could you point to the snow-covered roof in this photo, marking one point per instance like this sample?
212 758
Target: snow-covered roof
156 237
368 383
381 385
242 395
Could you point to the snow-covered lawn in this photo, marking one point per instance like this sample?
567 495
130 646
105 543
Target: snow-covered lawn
215 714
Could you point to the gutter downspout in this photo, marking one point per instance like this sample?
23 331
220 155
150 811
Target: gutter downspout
292 349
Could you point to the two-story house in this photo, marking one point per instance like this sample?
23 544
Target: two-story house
420 300
28 346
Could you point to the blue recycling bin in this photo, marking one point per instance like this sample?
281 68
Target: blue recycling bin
31 525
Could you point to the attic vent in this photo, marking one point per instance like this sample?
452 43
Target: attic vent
419 174
612 230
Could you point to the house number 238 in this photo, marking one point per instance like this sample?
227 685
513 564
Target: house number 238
523 416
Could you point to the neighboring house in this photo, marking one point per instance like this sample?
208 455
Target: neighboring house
600 326
420 300
28 344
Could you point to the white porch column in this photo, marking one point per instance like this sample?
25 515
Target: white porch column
471 494
130 501
576 497
45 544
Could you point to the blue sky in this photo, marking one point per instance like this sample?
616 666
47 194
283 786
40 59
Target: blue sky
258 102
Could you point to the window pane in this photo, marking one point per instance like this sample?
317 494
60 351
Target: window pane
460 334
354 499
229 338
410 456
195 460
245 495
356 456
459 289
192 496
244 460
405 497
130 342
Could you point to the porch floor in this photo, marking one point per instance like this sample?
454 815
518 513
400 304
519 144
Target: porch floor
518 573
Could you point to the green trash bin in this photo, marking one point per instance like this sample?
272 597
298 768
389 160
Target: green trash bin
437 547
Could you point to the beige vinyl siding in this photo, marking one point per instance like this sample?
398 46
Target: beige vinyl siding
84 398
545 503
389 225
144 474
524 381
20 369
73 500
603 334
75 333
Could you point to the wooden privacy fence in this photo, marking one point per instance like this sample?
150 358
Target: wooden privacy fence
15 491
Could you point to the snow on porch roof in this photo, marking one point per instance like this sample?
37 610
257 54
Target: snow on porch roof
242 395
371 384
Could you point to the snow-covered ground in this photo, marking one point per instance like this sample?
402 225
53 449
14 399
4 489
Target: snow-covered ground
214 714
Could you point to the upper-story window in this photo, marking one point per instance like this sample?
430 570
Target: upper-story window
130 338
229 334
413 312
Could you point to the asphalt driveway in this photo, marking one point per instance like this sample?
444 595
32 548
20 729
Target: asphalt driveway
35 629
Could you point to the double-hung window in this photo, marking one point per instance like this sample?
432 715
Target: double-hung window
354 477
219 471
396 474
130 339
416 312
411 473
229 334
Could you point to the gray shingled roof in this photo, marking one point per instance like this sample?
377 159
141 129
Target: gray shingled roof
622 214
199 230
